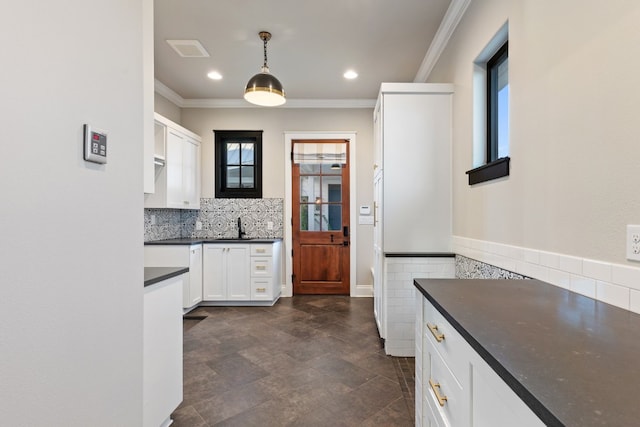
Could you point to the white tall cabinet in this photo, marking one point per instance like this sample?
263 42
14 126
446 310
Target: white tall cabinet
412 201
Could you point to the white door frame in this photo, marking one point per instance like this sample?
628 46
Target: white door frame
288 243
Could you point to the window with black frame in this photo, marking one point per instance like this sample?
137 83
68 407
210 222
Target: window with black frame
497 158
238 164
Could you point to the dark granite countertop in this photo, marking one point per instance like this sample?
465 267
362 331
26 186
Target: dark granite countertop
573 360
195 241
153 275
419 255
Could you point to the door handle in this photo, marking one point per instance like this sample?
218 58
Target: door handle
345 231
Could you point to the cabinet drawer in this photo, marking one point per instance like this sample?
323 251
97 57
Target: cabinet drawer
260 267
440 336
261 250
439 381
261 289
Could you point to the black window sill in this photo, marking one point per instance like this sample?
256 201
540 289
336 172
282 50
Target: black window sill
494 170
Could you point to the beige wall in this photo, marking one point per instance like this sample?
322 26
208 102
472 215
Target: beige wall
168 109
575 101
275 122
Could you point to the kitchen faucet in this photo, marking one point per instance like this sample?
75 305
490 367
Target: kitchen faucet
240 231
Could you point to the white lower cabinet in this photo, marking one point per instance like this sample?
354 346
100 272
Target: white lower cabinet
241 274
180 256
454 385
162 351
225 272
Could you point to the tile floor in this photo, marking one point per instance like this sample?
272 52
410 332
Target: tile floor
306 361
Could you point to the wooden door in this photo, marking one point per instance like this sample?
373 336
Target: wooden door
321 227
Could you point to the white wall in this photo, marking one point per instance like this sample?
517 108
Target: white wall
274 122
71 251
575 101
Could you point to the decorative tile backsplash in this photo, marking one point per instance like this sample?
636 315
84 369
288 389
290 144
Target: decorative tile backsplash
219 219
467 268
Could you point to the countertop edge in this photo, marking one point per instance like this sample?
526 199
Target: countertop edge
158 274
419 255
518 388
197 241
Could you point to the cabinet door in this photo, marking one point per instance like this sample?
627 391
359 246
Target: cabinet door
213 273
237 269
175 143
190 174
195 275
377 138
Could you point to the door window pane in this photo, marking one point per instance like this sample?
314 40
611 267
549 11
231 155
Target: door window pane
309 169
331 189
310 217
310 188
333 169
331 217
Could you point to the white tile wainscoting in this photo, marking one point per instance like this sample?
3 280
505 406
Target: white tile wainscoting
400 297
613 284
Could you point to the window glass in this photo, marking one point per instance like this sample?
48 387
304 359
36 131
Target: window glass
247 154
498 105
503 108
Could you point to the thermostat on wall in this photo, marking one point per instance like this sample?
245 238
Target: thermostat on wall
95 145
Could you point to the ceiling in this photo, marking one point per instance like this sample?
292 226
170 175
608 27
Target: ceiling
313 43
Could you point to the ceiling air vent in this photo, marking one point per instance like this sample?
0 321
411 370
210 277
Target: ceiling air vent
189 48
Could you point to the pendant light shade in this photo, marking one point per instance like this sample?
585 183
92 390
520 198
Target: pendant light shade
263 88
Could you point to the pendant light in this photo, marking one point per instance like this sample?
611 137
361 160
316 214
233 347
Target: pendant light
263 88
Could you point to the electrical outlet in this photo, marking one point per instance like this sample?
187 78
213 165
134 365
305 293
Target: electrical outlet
198 225
269 225
633 242
153 219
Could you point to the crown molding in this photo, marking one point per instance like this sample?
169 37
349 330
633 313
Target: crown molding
291 103
181 102
168 93
451 19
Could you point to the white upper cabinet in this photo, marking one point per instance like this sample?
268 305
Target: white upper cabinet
177 167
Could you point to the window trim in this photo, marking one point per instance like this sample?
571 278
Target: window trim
492 102
494 170
221 137
494 167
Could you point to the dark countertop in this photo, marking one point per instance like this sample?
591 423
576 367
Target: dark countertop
419 255
196 241
153 275
573 360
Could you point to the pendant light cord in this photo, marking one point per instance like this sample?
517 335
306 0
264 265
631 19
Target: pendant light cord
265 53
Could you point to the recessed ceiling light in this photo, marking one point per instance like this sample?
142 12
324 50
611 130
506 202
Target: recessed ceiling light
214 75
350 74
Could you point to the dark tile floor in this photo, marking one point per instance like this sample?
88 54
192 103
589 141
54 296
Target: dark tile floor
306 361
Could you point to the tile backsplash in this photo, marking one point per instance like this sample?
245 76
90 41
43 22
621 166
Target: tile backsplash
467 268
219 219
